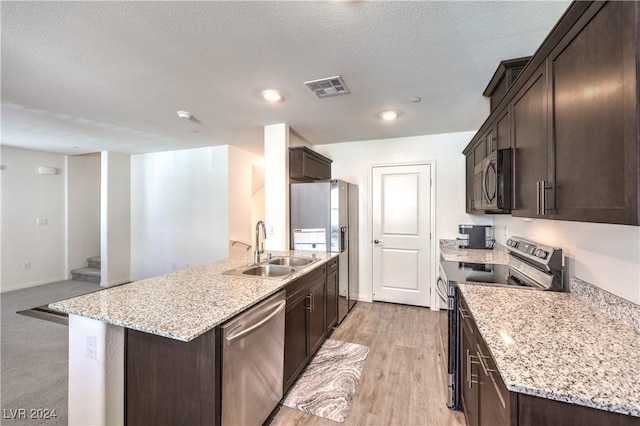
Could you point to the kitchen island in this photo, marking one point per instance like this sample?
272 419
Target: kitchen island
175 318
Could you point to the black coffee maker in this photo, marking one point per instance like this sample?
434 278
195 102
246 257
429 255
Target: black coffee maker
475 236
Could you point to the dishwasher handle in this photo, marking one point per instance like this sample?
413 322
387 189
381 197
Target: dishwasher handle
231 337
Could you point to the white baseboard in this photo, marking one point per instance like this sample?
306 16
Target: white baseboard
21 286
363 298
111 283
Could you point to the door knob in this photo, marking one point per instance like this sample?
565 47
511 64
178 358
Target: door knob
377 241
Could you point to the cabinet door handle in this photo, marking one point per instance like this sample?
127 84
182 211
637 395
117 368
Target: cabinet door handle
538 198
543 189
487 372
463 313
470 375
310 305
484 364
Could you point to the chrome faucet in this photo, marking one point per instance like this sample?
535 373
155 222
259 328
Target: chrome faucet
259 251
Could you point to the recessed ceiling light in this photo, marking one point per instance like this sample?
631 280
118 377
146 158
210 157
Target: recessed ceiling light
416 99
389 115
272 95
184 114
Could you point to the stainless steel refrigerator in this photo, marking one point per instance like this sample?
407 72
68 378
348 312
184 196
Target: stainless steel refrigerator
332 206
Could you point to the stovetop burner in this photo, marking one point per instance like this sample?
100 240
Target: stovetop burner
476 272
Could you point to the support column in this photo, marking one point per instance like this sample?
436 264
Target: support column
276 185
115 219
96 372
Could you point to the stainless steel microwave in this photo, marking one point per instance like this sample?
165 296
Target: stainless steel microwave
492 182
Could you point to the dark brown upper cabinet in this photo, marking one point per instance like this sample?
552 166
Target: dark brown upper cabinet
503 78
306 165
572 117
594 105
469 175
530 116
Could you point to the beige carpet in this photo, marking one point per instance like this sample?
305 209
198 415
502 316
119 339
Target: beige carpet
34 356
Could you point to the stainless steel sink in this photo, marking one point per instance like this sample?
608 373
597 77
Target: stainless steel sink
268 271
291 261
262 271
276 268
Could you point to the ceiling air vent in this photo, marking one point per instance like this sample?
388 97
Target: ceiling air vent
331 86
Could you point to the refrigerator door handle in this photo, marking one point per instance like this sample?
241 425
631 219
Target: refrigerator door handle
343 238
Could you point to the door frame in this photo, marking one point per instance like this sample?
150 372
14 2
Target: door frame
434 305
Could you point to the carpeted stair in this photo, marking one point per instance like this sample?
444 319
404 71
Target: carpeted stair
91 273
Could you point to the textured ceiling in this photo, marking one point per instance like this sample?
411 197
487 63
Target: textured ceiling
81 77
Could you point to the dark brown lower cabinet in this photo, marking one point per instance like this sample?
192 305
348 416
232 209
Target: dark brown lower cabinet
468 373
317 321
168 382
533 411
305 322
296 342
486 401
495 402
332 293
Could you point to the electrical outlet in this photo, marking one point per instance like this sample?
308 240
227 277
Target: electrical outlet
42 221
91 347
272 230
26 265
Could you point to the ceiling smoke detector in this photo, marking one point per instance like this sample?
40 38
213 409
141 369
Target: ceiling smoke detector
330 86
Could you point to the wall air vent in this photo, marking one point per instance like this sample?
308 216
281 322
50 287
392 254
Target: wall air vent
331 86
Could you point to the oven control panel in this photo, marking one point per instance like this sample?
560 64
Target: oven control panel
539 252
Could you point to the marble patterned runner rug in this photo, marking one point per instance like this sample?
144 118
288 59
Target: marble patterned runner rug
330 381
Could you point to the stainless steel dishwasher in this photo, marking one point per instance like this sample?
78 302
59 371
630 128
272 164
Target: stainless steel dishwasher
253 363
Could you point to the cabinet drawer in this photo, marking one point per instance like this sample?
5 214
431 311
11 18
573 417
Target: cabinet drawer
303 283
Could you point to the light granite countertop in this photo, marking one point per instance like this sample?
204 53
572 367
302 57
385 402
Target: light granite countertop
556 346
185 304
498 255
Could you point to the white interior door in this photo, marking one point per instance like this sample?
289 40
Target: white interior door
401 208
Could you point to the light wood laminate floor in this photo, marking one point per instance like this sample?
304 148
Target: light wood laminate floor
404 377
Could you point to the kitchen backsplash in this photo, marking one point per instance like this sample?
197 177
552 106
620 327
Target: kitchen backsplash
621 309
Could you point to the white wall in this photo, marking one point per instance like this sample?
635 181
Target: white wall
257 196
352 162
83 209
27 196
179 209
607 256
115 218
241 182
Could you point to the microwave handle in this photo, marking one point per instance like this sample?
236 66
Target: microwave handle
485 191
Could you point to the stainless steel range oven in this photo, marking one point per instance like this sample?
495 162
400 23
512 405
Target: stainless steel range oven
531 265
